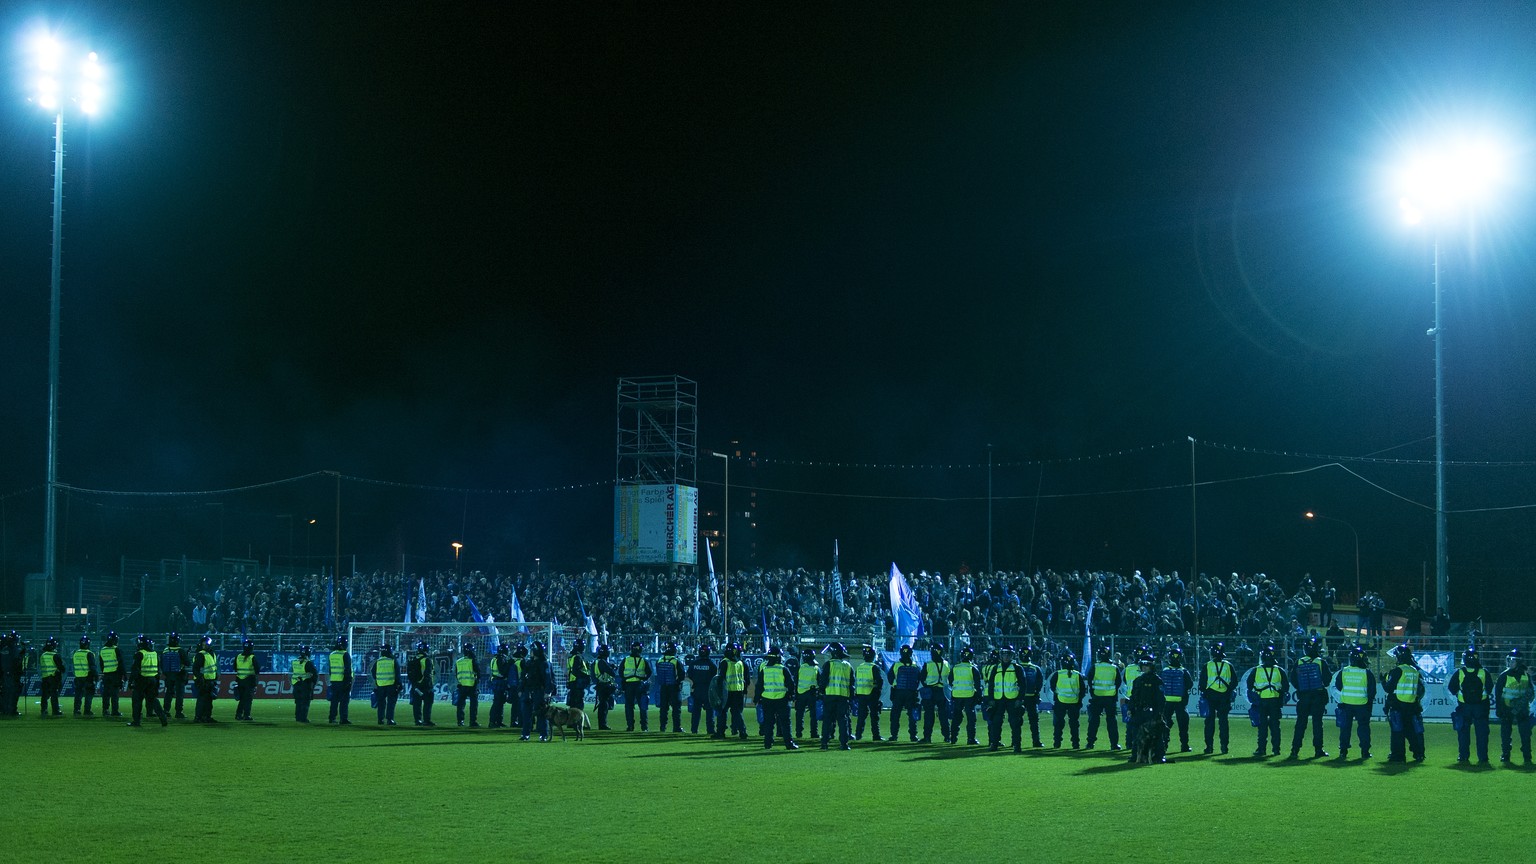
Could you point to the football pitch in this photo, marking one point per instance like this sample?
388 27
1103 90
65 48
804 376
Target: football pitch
273 790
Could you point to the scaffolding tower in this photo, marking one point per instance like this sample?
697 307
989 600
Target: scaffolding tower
658 431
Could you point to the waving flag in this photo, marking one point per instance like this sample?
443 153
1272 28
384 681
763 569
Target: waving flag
591 625
837 579
474 614
421 601
490 621
330 603
407 607
766 643
1088 635
695 606
516 611
904 608
714 582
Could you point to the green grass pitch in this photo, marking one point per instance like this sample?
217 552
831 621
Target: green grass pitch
274 791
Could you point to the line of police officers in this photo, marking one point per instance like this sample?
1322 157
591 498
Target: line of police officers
1007 686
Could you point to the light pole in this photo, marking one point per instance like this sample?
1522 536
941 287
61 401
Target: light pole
308 542
1310 515
58 85
726 599
989 510
1435 184
538 568
456 547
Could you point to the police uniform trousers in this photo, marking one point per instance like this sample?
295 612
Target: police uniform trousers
775 721
245 690
10 692
903 702
805 703
604 704
384 699
1408 736
85 688
534 715
1030 705
935 703
1176 716
1219 705
421 704
634 691
176 692
1269 724
468 696
1508 724
1107 707
698 706
1310 707
672 697
303 694
732 722
576 695
834 715
202 710
341 697
498 712
1474 716
1066 714
869 709
1015 713
1356 717
963 708
146 692
111 689
49 687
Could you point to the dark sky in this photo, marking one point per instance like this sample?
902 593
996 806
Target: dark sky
419 243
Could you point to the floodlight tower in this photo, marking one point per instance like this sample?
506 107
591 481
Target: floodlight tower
66 78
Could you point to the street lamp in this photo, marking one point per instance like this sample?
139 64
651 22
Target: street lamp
1435 184
538 568
726 600
308 546
1310 515
456 547
65 77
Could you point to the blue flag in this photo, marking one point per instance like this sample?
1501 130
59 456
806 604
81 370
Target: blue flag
1088 635
421 600
330 603
517 608
714 581
904 609
474 614
765 630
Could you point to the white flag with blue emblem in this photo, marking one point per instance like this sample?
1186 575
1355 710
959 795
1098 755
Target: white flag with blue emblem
421 601
904 608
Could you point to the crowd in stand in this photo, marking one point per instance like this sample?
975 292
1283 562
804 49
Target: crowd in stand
1046 605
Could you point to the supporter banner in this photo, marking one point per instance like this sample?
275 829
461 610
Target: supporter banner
655 524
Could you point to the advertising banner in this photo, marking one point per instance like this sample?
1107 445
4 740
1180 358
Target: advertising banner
655 524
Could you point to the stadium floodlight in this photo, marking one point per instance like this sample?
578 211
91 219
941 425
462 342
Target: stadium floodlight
1438 183
60 84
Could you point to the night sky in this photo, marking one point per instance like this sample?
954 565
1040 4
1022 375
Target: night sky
418 243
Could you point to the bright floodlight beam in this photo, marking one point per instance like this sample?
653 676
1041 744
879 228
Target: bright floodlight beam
1437 185
59 85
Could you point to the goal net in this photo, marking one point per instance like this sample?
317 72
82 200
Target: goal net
446 640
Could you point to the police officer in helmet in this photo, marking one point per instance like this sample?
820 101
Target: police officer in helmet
1356 686
1310 678
835 681
1404 684
1177 684
85 664
1512 702
669 675
1218 680
1472 686
174 663
635 673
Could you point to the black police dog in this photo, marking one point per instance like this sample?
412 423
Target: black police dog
1151 742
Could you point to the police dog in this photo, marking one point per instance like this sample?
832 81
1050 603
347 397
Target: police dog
565 716
1151 741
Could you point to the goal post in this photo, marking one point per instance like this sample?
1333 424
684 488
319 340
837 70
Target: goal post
446 640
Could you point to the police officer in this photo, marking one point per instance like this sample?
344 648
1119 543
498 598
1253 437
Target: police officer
635 673
1104 682
1067 688
964 689
466 673
1471 685
604 681
174 664
10 673
1147 702
734 672
1404 684
421 675
1310 678
1357 693
499 670
868 679
340 683
577 677
935 701
386 685
1004 685
205 675
113 666
516 704
247 667
701 677
835 681
1512 702
1177 684
669 675
807 679
538 688
50 677
85 676
905 677
1217 679
302 675
1267 688
774 684
146 682
1029 699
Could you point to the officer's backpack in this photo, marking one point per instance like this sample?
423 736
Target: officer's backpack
1308 676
